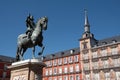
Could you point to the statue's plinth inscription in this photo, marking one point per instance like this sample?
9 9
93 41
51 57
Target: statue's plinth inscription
30 69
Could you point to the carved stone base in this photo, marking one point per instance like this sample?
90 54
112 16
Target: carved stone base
30 69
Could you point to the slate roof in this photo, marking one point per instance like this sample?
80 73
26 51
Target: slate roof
6 59
62 54
110 40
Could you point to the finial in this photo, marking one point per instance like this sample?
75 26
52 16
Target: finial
85 10
87 29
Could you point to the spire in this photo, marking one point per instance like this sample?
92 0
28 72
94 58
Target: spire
86 26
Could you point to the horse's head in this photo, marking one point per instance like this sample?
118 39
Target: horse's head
43 22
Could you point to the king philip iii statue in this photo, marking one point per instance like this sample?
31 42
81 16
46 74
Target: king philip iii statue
32 37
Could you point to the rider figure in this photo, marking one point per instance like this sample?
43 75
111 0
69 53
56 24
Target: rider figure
30 25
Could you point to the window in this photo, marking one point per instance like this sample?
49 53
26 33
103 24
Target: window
70 59
86 66
65 77
117 75
114 51
96 76
55 62
95 65
65 60
60 70
85 45
71 77
87 77
107 76
71 68
77 77
55 70
85 56
60 78
50 71
60 61
104 52
106 64
76 58
50 63
94 54
116 62
65 69
46 73
77 68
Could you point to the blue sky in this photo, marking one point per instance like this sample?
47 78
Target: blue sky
65 22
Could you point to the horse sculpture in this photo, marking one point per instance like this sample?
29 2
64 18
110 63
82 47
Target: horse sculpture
35 39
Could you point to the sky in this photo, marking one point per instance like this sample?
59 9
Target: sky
65 22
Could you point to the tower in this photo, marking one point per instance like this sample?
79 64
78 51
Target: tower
86 42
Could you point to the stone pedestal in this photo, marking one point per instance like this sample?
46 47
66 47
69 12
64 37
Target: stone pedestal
30 69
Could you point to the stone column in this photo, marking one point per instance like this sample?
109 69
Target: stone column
30 69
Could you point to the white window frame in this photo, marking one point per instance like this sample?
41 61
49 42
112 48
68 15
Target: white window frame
50 71
94 54
87 76
55 71
76 59
65 77
46 72
77 68
104 52
55 62
114 51
96 76
60 70
107 76
60 61
71 68
70 59
117 75
85 56
65 70
71 77
65 60
77 77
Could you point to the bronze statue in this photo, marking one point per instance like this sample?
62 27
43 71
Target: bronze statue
32 38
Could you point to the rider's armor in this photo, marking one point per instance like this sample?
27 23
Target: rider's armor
30 26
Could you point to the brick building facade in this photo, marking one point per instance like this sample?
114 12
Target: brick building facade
4 62
93 60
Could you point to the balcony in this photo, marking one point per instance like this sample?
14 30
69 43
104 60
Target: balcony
105 55
106 67
86 58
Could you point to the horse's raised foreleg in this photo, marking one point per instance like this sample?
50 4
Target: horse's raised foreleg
33 54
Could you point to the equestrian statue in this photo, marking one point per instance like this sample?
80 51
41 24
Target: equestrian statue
32 37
